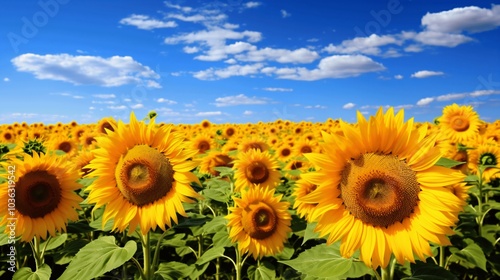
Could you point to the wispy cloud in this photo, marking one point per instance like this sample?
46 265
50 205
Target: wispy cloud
240 99
426 74
87 70
455 96
252 4
278 89
349 105
104 96
146 23
285 14
167 101
208 114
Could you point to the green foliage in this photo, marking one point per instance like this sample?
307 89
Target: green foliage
25 273
98 257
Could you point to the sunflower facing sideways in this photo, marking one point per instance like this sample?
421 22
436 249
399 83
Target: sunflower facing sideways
379 191
459 123
45 195
259 223
143 176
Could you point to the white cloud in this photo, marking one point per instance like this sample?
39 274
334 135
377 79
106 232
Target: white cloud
471 19
426 74
441 39
163 100
91 108
127 100
104 96
188 49
425 101
199 18
315 107
247 113
285 14
349 105
137 106
301 55
185 9
398 77
278 89
6 79
451 96
233 70
336 66
240 99
86 70
478 93
365 45
208 114
102 102
413 48
120 107
146 23
252 4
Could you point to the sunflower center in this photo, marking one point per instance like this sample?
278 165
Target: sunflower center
488 159
459 123
257 172
144 175
203 146
379 189
65 147
39 194
306 149
285 152
259 220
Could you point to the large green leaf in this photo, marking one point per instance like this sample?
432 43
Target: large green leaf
173 270
25 273
472 254
98 257
210 254
54 242
325 261
217 224
429 271
265 271
309 233
221 239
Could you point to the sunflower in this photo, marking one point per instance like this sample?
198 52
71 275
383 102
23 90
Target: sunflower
81 160
252 143
143 176
379 191
259 222
215 159
303 188
45 197
285 152
255 167
105 125
63 143
202 142
459 123
487 153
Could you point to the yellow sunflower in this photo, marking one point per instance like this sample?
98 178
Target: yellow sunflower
487 153
44 196
259 223
303 188
459 123
63 143
215 159
105 125
255 167
379 191
143 176
203 142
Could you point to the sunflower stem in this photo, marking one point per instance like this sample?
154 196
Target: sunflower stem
238 264
157 251
141 271
385 273
35 246
377 275
146 250
441 256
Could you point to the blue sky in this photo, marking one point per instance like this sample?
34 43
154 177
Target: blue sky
233 61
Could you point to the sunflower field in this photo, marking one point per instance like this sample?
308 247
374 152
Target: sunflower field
382 198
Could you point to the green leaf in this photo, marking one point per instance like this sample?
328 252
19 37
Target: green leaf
25 273
324 261
309 233
471 254
69 251
79 227
215 225
173 270
224 171
215 194
54 242
97 224
429 271
98 257
221 239
286 254
448 163
266 271
4 238
210 254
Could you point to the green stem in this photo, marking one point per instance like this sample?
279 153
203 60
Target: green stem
238 265
157 251
391 270
35 247
377 275
217 269
385 273
141 271
441 256
146 250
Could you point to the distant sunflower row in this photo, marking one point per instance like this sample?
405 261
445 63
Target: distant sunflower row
374 185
